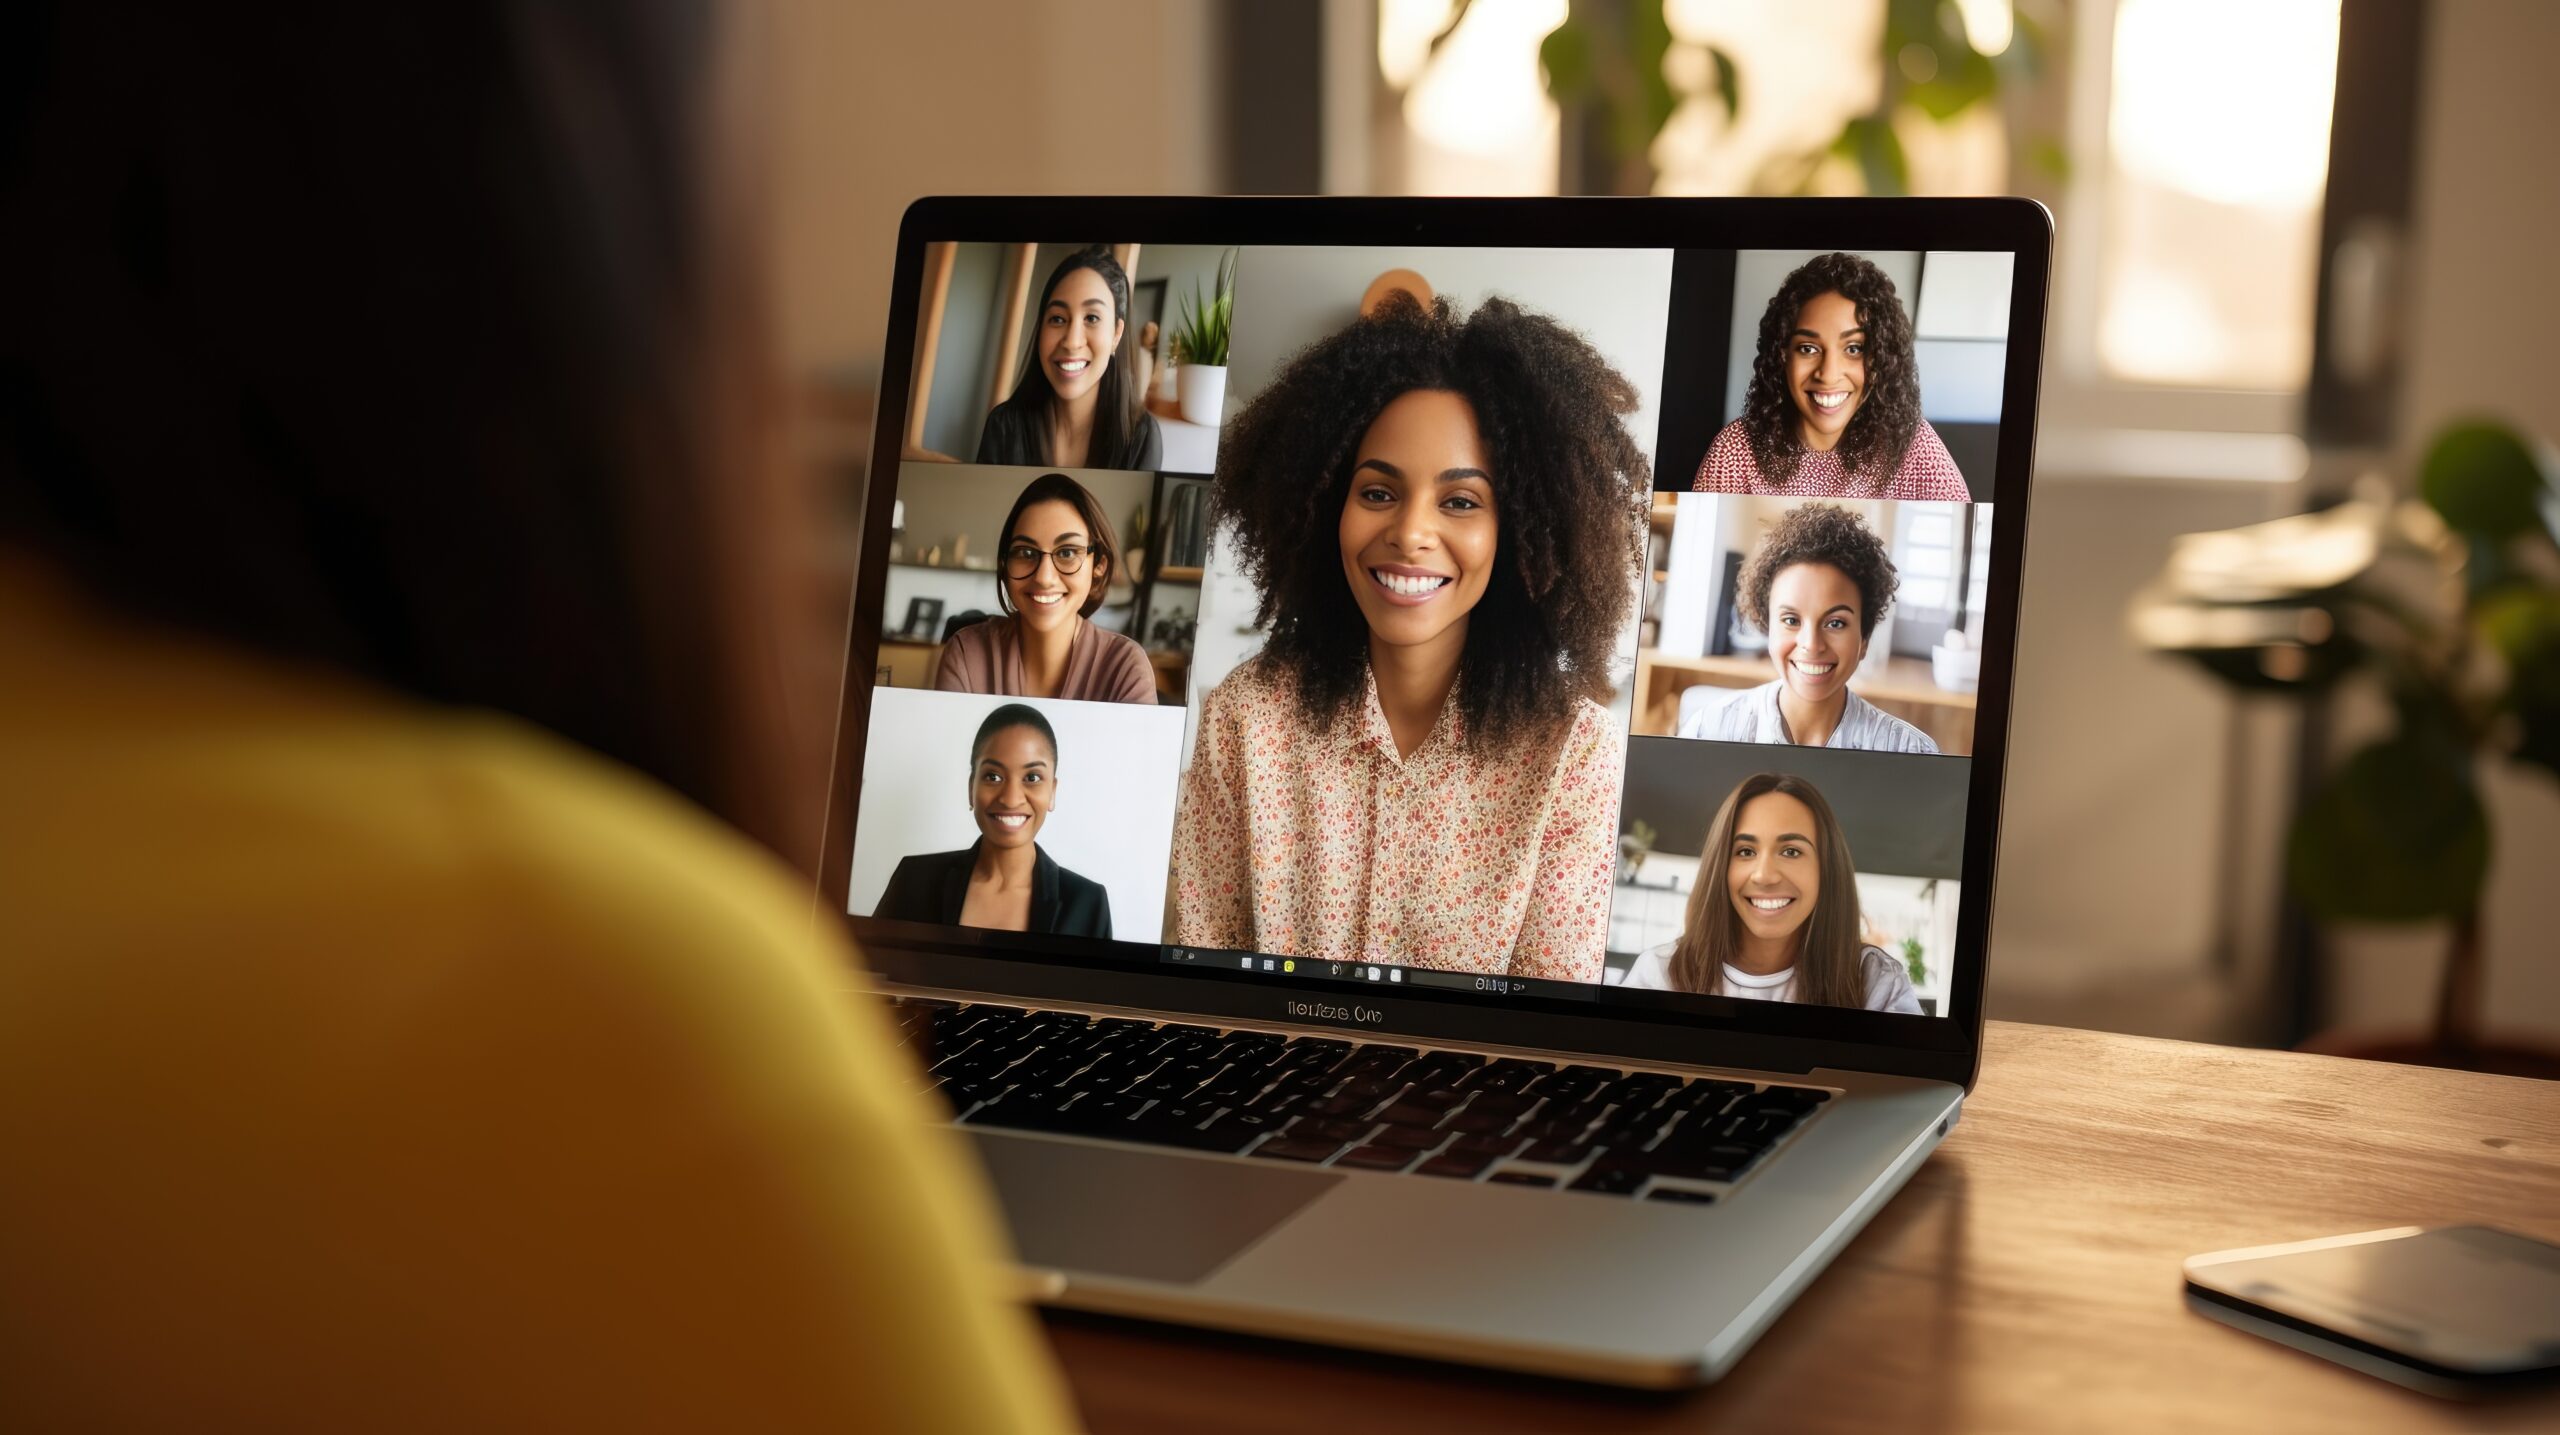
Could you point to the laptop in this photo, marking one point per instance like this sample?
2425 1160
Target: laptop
1425 775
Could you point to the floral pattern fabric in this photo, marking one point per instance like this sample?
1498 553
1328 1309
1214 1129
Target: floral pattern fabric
1928 473
1311 839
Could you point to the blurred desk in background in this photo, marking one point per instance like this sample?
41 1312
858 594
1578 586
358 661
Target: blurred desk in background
2026 1280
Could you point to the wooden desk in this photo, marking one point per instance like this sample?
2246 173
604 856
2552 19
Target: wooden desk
2026 1280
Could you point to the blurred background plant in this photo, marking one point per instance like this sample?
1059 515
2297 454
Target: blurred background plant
1619 65
2449 605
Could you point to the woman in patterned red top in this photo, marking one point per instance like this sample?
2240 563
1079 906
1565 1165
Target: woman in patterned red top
1442 517
1833 410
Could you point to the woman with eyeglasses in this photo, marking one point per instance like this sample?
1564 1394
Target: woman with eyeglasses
1055 560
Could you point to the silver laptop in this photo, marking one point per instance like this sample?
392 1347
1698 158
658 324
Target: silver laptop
1425 774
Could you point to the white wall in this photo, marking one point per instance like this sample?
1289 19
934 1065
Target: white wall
1113 814
875 104
1289 297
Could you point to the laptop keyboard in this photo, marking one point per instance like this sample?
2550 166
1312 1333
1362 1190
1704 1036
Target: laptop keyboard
1361 1106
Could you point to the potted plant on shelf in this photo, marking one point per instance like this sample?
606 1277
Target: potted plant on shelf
1200 347
2451 602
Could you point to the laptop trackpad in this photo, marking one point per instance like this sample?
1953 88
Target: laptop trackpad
1113 1211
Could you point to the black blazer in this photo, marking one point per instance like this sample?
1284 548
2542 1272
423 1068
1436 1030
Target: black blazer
1018 436
931 886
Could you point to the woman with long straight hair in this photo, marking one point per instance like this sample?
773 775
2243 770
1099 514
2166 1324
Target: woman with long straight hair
1077 404
396 1037
1774 914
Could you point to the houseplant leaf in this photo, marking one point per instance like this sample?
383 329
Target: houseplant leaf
2524 626
2484 480
2396 835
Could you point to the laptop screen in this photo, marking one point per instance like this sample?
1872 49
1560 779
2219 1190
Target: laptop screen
1596 625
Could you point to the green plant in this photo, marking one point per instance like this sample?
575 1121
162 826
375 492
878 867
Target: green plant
1609 58
2451 604
1634 845
1913 960
1201 337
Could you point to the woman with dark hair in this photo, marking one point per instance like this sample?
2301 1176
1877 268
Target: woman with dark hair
1413 770
1833 410
1774 913
1003 881
1077 403
1818 584
1057 556
397 1038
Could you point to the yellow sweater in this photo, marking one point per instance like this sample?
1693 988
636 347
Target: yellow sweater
370 1067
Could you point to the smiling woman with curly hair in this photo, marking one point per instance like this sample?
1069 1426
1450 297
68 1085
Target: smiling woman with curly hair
1833 410
1413 769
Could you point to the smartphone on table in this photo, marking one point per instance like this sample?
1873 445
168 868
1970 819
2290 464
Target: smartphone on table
2461 1311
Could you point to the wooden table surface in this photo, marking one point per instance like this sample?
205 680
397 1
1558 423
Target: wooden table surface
2027 1279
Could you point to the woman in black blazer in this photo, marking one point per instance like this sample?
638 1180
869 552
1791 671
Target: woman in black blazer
1003 881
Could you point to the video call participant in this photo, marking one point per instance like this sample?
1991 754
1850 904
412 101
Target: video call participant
1778 919
1411 771
1833 410
1076 405
1055 558
1003 881
1818 584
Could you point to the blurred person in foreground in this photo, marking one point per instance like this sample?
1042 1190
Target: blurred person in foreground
392 1036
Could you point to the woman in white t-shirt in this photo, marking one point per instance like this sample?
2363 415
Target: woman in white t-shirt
1778 921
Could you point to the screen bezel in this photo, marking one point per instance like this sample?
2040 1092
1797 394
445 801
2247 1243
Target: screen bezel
1705 1030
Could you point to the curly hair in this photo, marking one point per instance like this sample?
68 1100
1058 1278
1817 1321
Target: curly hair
1821 533
1569 487
1880 432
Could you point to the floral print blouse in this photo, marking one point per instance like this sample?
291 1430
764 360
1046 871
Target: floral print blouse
1927 471
1315 839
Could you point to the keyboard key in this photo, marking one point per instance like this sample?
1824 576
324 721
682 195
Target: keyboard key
1342 1105
1611 1181
1102 1113
1520 1178
1458 1165
1335 1129
1488 1145
1023 1111
1259 1123
1675 1193
1559 1153
1282 1148
1481 1122
1410 1138
1220 1135
1406 1113
1375 1158
1278 1103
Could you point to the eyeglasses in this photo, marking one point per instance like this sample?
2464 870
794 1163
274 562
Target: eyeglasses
1022 560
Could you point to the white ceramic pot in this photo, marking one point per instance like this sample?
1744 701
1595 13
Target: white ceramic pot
1203 390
